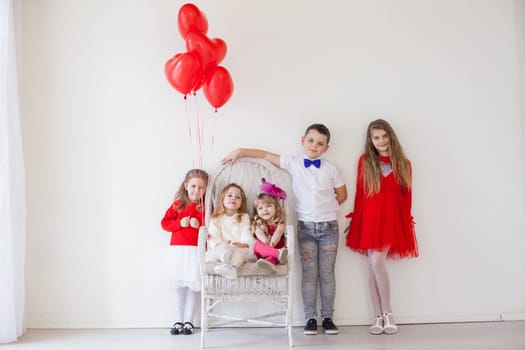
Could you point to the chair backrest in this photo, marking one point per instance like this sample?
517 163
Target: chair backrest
247 172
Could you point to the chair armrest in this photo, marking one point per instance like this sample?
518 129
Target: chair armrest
203 236
291 245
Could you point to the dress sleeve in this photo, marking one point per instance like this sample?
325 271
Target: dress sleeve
214 230
171 220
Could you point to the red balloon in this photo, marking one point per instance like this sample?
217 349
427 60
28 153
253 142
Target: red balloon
218 86
198 83
220 49
183 72
211 51
191 19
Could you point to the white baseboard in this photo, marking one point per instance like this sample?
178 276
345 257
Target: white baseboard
518 316
513 316
509 316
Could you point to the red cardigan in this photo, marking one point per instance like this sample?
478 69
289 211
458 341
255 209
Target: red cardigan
171 223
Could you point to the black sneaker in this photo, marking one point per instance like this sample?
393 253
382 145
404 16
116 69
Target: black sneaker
176 328
311 327
187 329
329 326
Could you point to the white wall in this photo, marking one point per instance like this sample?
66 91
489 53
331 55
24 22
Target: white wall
106 143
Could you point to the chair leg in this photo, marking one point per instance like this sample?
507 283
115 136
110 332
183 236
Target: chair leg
290 336
289 321
204 323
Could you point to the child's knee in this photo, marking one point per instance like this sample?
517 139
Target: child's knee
306 256
329 247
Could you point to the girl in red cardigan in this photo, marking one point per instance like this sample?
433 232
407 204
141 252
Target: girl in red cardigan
382 225
183 219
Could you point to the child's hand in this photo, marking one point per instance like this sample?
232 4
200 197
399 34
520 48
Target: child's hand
194 223
185 221
261 236
232 157
240 245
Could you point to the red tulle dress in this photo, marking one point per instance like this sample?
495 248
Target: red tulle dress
384 219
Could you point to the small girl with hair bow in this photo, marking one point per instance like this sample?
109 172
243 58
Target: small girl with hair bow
268 227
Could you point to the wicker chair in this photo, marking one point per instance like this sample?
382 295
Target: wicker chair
252 284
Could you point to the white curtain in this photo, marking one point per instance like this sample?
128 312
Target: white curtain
12 186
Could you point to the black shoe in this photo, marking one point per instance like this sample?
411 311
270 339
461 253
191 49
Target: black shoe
176 328
329 326
311 327
187 329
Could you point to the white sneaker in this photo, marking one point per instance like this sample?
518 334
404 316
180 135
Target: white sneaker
226 270
283 255
390 326
265 265
377 326
236 260
227 257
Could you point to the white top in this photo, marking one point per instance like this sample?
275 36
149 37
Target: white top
313 188
226 228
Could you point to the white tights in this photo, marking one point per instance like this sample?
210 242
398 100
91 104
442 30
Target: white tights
185 303
379 282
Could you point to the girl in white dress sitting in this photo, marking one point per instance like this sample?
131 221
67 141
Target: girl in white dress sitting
230 237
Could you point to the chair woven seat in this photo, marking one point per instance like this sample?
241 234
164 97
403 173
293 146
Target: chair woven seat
250 269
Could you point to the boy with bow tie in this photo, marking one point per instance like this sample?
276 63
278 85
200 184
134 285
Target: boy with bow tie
319 188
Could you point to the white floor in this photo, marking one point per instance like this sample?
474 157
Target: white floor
450 336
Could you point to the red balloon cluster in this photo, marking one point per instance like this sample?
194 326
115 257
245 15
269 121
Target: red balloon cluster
199 66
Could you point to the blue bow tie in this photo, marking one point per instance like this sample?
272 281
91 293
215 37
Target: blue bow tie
316 163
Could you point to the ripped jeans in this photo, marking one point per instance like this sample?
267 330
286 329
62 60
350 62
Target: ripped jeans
318 242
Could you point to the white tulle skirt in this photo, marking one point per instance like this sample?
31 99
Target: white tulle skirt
183 267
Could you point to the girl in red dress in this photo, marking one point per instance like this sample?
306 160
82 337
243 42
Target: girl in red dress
382 225
183 219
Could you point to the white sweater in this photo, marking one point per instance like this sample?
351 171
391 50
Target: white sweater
226 228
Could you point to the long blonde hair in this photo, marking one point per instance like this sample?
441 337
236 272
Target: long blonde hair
221 210
400 163
182 194
279 217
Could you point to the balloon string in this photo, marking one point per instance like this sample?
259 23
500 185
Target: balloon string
201 203
199 131
187 117
214 122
